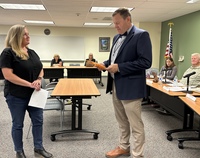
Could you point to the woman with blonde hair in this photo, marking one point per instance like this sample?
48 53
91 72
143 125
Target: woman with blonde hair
90 58
56 61
23 71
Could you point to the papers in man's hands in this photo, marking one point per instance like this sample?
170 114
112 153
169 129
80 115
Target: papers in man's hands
38 98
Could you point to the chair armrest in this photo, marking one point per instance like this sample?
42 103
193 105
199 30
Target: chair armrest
49 89
51 84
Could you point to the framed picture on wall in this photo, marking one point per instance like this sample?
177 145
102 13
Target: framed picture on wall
104 44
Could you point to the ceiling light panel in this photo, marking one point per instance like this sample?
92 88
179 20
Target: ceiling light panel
105 9
192 1
38 22
22 6
97 24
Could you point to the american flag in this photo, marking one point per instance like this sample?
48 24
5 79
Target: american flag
169 52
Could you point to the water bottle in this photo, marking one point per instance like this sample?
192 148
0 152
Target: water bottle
175 81
160 80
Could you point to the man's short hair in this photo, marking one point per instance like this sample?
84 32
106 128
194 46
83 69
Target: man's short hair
196 54
124 12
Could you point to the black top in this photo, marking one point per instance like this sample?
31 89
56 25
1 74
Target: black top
53 61
91 60
26 69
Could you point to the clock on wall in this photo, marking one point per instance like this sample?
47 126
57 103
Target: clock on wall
47 31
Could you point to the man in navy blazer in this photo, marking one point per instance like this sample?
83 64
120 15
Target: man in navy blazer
130 56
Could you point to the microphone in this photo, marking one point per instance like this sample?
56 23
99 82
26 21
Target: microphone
165 73
190 74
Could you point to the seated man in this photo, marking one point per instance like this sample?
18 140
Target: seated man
194 79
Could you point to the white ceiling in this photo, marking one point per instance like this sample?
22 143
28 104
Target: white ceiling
74 13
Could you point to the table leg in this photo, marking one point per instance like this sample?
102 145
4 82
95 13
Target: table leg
187 126
76 104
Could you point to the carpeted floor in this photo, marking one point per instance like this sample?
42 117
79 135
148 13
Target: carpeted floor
102 119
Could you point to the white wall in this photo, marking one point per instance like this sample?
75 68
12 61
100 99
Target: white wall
91 38
154 30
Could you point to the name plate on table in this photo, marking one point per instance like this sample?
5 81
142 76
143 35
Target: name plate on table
166 88
149 81
191 97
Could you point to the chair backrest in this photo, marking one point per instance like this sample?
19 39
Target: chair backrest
43 82
74 64
151 71
53 104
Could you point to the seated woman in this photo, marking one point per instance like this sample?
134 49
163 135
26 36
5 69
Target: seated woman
170 67
90 59
171 70
56 61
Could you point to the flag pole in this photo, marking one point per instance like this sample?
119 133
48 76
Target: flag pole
170 24
168 52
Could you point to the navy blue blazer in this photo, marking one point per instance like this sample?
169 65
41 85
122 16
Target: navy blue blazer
133 58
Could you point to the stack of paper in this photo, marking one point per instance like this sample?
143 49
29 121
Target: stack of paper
38 98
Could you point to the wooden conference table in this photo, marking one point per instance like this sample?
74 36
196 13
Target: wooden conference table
167 99
77 90
191 106
171 101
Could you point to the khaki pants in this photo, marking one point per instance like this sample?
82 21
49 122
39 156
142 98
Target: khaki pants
128 115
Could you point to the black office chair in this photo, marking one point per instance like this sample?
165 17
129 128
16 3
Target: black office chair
150 74
74 64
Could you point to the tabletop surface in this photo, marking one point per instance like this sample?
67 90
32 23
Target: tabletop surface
68 67
171 93
75 87
194 105
79 67
54 67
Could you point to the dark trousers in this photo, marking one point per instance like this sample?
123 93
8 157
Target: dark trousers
18 107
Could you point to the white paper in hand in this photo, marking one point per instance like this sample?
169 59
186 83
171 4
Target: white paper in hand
38 98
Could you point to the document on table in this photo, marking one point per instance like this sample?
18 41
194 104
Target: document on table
177 89
167 80
38 98
179 85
